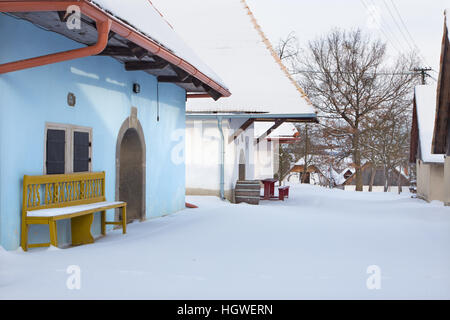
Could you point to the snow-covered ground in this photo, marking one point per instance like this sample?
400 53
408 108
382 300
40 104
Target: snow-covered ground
316 245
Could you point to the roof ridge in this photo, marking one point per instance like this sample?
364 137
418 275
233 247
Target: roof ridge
273 52
162 16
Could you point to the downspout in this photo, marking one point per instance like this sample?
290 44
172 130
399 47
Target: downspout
103 28
222 159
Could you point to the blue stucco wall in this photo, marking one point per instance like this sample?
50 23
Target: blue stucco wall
30 98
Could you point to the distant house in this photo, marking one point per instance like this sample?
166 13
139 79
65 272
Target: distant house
375 176
429 167
313 175
220 135
441 133
317 173
347 172
97 86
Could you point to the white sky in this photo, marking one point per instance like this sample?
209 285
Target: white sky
309 18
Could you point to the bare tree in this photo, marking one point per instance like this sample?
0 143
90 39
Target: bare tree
386 140
348 78
288 50
286 159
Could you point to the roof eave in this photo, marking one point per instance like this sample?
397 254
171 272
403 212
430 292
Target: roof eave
95 12
441 121
308 117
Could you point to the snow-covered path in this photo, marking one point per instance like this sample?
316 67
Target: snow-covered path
315 245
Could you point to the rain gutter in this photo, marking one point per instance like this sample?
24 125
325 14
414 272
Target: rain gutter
105 21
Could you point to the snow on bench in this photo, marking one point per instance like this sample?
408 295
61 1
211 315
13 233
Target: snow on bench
74 209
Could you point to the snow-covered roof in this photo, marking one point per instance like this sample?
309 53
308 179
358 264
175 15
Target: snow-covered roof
324 169
311 161
351 169
402 171
224 33
145 18
333 175
287 129
425 96
337 177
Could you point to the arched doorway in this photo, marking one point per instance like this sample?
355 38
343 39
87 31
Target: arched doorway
130 168
241 165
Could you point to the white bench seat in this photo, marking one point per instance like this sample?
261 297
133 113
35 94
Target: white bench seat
54 212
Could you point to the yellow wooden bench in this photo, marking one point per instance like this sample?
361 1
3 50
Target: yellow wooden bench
77 196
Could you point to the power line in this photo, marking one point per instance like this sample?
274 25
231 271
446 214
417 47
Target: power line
394 41
388 38
408 33
398 26
402 21
388 28
344 72
432 77
422 72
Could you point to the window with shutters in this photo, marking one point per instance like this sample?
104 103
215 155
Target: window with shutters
68 149
81 156
56 153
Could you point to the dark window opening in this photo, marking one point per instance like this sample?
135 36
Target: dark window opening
55 157
81 145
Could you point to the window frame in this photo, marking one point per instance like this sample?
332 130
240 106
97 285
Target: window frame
69 146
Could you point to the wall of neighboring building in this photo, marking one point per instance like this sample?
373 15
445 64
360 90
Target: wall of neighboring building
393 189
379 178
203 147
265 152
31 98
242 145
447 181
203 156
430 181
315 178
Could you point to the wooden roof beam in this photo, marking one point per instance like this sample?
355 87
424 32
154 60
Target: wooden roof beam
213 93
241 129
144 65
171 79
138 51
181 74
116 51
277 123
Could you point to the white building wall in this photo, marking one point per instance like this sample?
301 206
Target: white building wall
264 159
430 181
447 181
203 156
244 143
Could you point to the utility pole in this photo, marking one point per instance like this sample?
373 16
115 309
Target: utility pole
330 183
423 73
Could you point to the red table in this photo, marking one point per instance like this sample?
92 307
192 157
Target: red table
269 188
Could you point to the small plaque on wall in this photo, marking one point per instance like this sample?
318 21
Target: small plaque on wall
71 99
